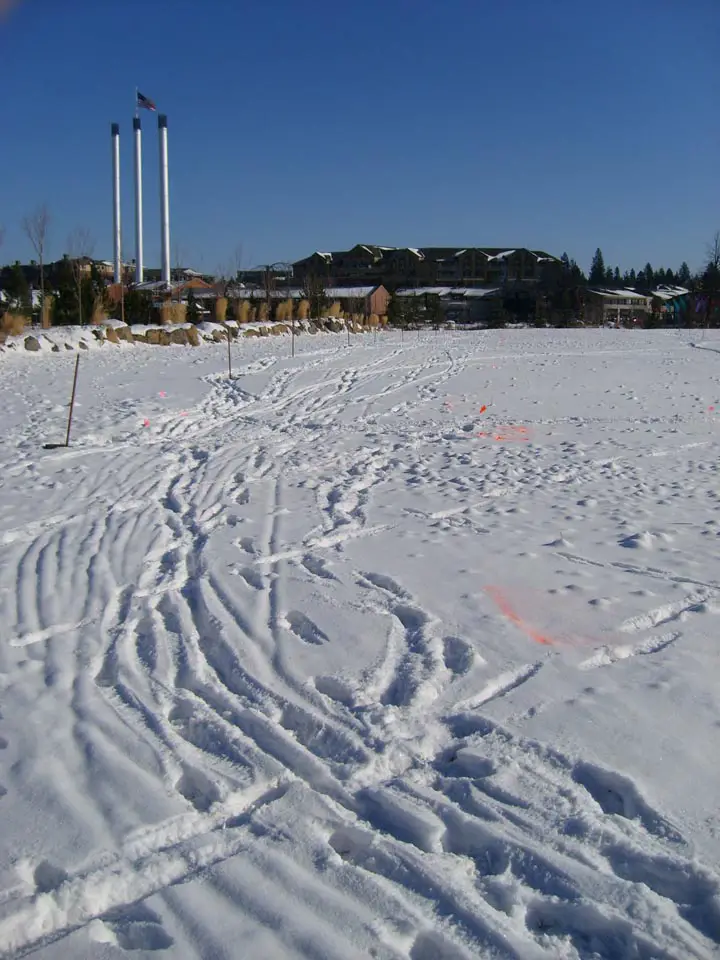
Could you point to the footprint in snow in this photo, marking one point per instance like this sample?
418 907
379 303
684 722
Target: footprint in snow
458 656
305 629
131 928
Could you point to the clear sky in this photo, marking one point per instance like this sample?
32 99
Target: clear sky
295 126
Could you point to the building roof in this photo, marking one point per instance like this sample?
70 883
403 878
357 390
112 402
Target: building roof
453 292
624 294
665 292
297 293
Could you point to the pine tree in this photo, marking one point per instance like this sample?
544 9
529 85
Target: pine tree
617 279
193 310
683 275
608 277
394 311
15 284
597 269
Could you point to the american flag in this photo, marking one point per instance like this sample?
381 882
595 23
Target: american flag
145 102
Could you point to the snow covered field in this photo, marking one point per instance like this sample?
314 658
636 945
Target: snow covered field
325 662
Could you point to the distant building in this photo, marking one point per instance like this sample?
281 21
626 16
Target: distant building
405 267
617 307
461 304
367 299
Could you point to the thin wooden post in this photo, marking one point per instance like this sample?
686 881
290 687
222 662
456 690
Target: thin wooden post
72 399
229 355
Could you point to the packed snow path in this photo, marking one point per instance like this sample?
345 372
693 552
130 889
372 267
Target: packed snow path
326 661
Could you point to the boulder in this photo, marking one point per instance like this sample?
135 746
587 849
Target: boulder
124 333
82 345
179 336
68 346
193 336
55 348
112 335
32 343
250 333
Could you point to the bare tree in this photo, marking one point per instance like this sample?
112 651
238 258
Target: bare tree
226 274
713 251
80 249
314 293
36 227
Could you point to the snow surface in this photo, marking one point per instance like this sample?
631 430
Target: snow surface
328 661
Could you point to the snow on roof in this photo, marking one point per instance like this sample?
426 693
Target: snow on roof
626 294
151 285
296 293
339 292
666 292
421 291
418 253
470 292
501 256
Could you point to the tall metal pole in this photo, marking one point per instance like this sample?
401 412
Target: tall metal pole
117 234
164 199
138 202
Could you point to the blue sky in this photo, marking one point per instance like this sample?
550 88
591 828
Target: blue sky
295 126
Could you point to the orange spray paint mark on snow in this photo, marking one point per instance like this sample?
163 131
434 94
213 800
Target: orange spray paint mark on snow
507 609
510 433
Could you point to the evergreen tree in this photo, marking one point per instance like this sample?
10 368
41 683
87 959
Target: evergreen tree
617 279
683 275
15 284
193 310
576 274
433 314
62 281
649 277
138 307
608 277
597 269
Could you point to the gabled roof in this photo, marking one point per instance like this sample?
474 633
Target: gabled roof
624 294
666 292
